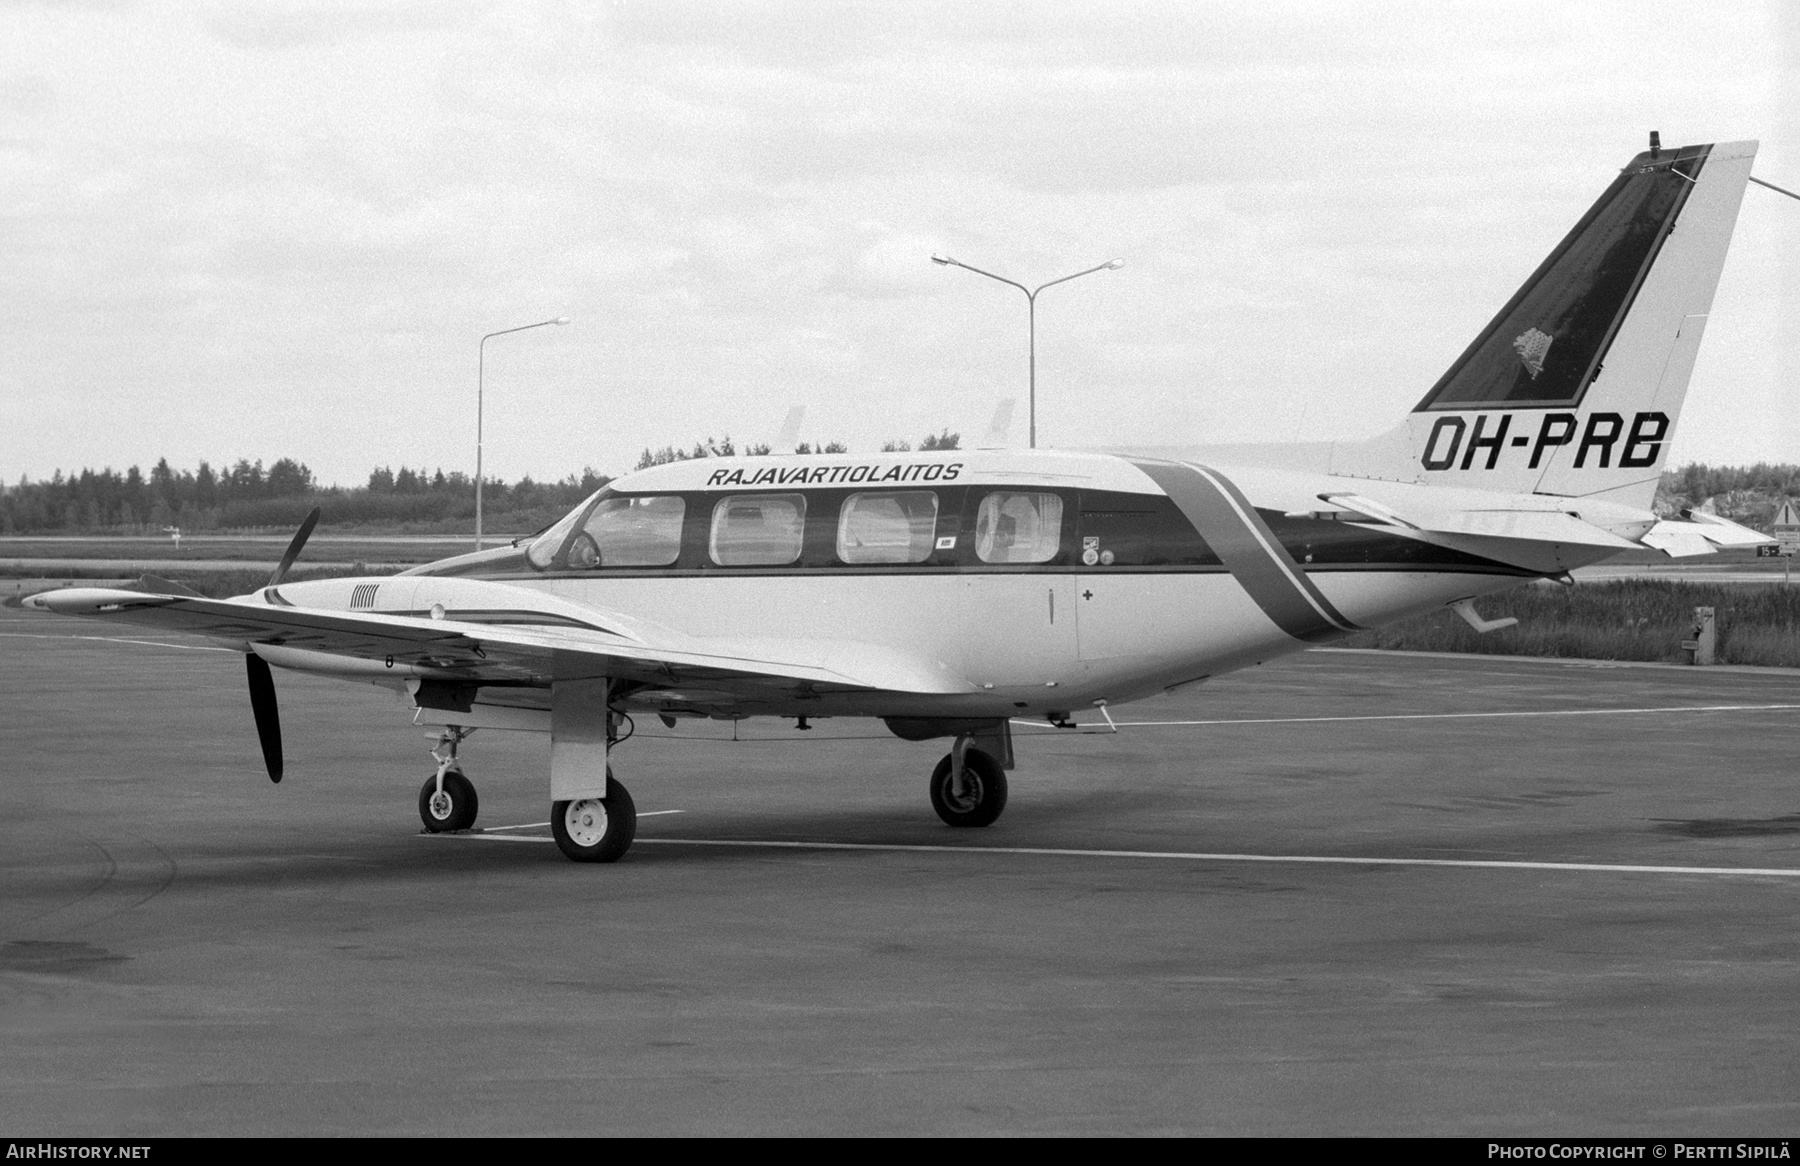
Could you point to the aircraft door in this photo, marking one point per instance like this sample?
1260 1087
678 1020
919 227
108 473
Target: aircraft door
1018 604
1019 629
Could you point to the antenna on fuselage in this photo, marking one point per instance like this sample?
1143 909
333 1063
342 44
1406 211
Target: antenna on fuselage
1000 428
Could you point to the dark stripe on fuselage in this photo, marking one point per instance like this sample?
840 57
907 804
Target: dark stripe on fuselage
1250 551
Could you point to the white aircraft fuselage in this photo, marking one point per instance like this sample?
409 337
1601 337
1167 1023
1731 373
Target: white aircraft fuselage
1125 597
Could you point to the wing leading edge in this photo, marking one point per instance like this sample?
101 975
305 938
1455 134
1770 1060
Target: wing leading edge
373 645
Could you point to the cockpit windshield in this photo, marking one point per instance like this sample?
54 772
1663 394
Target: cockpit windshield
546 547
613 530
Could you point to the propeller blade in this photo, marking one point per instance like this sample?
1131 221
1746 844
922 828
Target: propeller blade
293 552
268 718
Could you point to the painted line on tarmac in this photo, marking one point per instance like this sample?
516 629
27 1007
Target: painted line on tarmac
120 640
1184 856
488 833
1686 708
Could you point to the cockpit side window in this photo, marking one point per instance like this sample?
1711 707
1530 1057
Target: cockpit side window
1018 527
630 530
895 527
758 530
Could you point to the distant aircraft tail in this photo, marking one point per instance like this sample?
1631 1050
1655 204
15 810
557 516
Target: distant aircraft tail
1576 386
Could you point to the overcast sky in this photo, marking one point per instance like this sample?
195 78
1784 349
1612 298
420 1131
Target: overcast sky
281 229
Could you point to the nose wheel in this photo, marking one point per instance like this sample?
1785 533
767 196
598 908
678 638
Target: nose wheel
452 807
968 787
447 800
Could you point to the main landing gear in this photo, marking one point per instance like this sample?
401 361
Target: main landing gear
595 829
968 787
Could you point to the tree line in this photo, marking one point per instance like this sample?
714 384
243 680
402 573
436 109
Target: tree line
725 448
1748 494
246 495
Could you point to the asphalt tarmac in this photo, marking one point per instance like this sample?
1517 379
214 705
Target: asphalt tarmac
1369 893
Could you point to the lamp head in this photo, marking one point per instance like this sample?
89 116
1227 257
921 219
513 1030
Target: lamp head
1115 264
943 260
560 320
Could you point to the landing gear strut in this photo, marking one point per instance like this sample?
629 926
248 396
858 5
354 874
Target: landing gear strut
447 800
968 787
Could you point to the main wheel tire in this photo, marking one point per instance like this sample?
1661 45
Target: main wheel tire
454 809
983 798
595 829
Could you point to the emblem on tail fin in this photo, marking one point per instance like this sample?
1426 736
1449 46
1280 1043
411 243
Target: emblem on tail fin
1532 346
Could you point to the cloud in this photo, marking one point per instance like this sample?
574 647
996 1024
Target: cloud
276 26
232 233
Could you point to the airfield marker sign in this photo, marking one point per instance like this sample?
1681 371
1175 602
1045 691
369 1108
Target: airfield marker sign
1786 529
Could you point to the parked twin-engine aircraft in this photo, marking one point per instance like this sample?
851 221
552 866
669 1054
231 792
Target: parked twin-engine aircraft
948 593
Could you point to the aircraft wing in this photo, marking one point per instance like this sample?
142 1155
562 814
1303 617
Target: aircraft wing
528 653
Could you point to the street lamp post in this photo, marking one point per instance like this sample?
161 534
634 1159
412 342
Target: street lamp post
480 378
1031 295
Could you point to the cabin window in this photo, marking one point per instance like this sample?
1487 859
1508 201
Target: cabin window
630 530
894 527
758 530
1018 528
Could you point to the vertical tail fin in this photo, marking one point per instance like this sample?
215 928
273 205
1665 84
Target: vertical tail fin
1575 387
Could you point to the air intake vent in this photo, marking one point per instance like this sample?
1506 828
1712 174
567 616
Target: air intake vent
363 597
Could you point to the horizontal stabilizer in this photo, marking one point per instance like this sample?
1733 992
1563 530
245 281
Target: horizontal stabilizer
1525 531
1703 535
1673 541
1725 533
1534 525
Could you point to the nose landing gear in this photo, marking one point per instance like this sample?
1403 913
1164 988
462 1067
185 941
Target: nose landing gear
447 800
968 787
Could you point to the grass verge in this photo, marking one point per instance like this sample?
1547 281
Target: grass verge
1631 619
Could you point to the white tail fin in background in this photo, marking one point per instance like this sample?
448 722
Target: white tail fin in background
789 437
1576 386
1000 428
